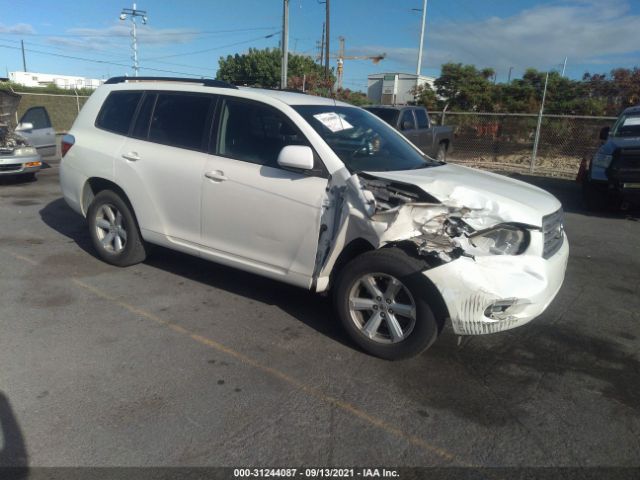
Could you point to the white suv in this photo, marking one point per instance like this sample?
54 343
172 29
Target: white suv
316 193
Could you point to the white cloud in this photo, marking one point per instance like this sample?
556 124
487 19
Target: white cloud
19 28
118 35
589 32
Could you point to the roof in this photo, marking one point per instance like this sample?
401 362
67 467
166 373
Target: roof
634 109
392 107
216 86
295 98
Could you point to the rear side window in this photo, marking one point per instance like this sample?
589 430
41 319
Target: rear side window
181 120
141 126
117 112
254 132
406 121
421 117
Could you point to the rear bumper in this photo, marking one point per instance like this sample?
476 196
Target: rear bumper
20 165
526 284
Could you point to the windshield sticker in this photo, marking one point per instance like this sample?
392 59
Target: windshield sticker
333 121
630 121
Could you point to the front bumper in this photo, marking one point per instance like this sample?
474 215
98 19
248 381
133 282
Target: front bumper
19 165
527 282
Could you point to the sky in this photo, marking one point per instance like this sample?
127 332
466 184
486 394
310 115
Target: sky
187 38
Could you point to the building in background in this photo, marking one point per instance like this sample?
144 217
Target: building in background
68 82
395 88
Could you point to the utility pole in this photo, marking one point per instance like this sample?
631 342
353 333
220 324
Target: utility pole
285 44
322 46
564 65
424 21
24 60
537 138
133 13
327 37
509 76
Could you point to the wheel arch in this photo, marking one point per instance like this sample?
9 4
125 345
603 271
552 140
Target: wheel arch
95 185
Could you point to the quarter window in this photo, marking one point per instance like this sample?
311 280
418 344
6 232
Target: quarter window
117 112
255 133
180 120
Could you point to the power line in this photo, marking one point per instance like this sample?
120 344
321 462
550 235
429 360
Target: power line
126 34
105 62
212 49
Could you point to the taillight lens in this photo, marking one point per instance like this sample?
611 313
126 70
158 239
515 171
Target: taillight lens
67 143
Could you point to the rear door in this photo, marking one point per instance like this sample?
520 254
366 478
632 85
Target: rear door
160 165
41 135
253 212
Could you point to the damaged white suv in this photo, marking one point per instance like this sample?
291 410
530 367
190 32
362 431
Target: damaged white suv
319 194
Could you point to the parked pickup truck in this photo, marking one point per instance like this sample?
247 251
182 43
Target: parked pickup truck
415 124
612 176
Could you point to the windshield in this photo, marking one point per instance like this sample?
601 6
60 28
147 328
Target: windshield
363 141
389 115
627 126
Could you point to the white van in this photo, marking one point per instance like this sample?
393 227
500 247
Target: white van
316 193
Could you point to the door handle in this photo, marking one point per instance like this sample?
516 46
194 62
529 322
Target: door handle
131 156
216 176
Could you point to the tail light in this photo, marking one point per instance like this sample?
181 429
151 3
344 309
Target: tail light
67 143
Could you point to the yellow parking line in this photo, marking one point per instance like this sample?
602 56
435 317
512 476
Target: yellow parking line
208 342
345 406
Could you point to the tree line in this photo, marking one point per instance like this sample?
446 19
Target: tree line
467 88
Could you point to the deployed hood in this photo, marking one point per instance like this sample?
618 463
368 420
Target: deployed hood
496 198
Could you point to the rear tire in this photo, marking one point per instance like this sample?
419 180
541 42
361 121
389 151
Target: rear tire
114 230
390 325
594 198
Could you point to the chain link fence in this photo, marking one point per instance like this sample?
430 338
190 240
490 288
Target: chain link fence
493 141
63 109
505 142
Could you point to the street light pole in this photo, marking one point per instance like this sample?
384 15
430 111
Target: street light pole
285 44
424 21
133 13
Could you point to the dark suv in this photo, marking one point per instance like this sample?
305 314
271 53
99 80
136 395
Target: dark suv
612 177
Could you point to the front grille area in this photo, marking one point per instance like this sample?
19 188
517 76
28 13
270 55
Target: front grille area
10 167
625 166
553 230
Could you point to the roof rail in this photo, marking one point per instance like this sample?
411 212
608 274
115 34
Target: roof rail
207 82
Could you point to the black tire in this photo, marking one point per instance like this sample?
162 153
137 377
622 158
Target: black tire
593 197
441 155
133 250
29 177
408 270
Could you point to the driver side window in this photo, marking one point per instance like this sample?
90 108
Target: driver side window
254 132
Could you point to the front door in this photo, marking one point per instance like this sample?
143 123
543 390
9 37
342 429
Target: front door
253 211
41 135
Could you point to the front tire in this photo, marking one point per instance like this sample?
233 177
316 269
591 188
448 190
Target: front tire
114 230
382 300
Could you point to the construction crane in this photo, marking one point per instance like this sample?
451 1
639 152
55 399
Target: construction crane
342 57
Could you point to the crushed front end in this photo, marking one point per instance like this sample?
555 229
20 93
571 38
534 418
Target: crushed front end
493 271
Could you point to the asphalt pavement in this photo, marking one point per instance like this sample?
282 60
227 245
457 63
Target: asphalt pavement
178 361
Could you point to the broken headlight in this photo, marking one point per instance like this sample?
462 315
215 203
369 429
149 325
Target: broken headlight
502 240
25 151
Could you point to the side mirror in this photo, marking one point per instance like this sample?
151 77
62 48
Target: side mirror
604 133
407 125
24 126
296 156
